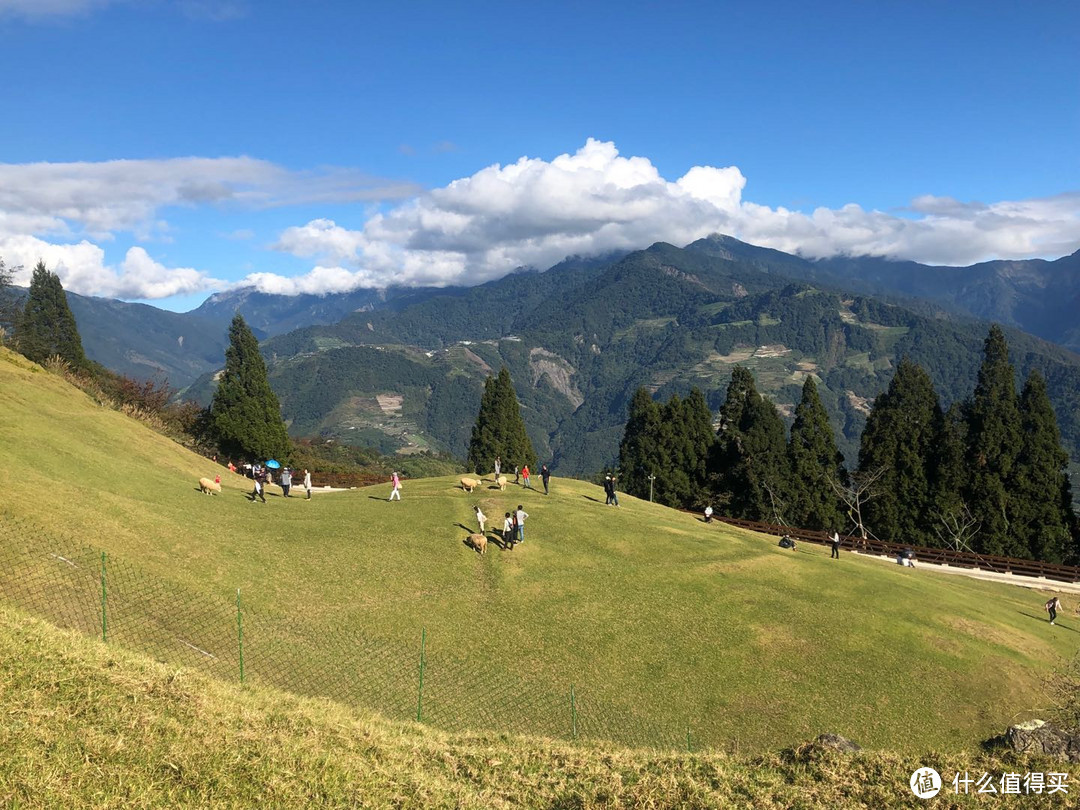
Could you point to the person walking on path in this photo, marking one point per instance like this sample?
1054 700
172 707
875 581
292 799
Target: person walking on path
708 514
508 532
614 494
481 518
307 484
525 476
1052 607
286 481
498 466
395 493
545 476
834 541
519 518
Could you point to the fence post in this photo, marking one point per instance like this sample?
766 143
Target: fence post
420 694
240 634
104 619
573 712
688 748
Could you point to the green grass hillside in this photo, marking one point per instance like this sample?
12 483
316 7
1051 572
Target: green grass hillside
86 725
657 620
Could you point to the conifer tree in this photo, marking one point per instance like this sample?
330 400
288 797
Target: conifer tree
993 444
951 519
640 453
816 465
1041 511
499 429
245 416
46 326
8 308
900 438
749 461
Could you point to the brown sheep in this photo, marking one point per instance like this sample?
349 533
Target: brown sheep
209 487
469 484
478 542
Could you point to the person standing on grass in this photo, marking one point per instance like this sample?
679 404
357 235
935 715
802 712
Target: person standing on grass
307 484
525 476
1052 607
498 466
517 476
834 541
286 481
260 484
395 493
481 518
614 494
607 490
545 476
508 532
708 514
519 518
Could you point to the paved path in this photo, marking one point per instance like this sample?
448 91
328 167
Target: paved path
1037 583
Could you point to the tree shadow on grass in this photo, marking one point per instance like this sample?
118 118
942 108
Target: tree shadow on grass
1042 619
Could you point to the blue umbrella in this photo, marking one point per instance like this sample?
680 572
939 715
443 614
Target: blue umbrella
273 465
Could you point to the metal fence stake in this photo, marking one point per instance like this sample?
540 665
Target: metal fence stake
104 602
420 693
240 634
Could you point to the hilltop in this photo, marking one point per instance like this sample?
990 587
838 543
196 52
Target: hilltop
661 623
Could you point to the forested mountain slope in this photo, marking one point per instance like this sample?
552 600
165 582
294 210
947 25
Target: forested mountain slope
580 338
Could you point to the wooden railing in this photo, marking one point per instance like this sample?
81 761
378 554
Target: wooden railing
942 556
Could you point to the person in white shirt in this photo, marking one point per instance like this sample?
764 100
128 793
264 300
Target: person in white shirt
520 517
480 519
508 532
307 484
708 514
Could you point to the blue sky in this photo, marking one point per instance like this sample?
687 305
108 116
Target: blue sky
161 149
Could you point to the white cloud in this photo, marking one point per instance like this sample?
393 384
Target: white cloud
99 198
82 269
535 212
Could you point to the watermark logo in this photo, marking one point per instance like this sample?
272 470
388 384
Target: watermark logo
925 783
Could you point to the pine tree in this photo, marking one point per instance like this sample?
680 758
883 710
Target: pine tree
499 429
993 444
749 461
816 465
46 326
245 416
640 453
953 524
8 309
1041 506
899 438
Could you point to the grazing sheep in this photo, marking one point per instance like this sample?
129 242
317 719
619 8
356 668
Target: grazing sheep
469 484
478 541
500 482
209 487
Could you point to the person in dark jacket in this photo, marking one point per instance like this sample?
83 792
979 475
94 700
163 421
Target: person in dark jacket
545 476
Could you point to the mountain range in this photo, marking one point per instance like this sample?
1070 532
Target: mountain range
402 369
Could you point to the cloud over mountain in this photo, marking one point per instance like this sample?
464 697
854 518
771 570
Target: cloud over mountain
535 212
532 212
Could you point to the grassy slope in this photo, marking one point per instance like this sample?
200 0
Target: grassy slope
87 725
649 612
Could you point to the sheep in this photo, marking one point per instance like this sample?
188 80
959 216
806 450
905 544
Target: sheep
209 487
500 482
469 484
478 542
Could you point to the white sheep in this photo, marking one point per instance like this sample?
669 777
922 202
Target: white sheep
209 487
469 484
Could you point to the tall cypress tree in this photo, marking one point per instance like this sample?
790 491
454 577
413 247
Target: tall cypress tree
8 309
640 453
900 437
993 444
749 461
46 326
1042 513
815 464
245 416
499 429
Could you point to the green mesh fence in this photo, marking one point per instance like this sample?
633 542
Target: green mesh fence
111 599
